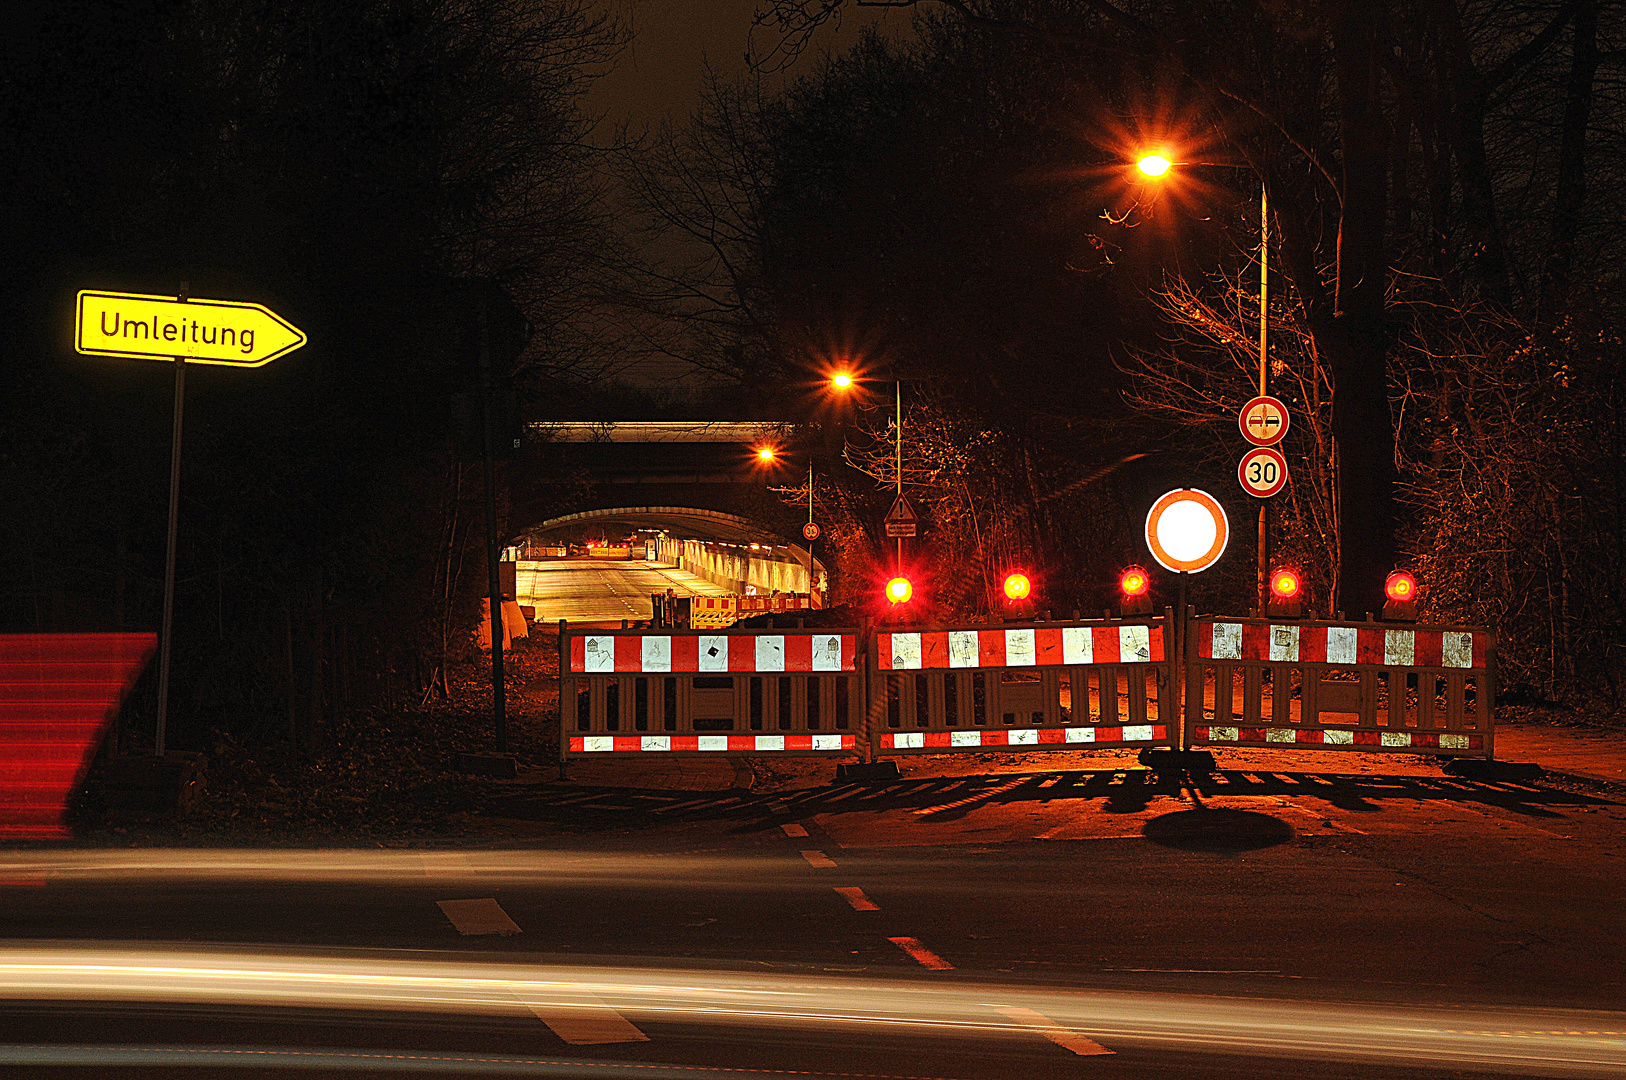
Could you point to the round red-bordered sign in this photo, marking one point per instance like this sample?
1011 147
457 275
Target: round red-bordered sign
1187 530
1262 472
1263 421
810 531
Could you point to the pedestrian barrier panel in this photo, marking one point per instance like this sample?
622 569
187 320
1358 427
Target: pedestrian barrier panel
739 692
718 612
1340 686
1035 686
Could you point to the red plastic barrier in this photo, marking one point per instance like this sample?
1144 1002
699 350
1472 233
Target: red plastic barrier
58 694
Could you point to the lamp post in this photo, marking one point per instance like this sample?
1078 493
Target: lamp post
1156 166
844 381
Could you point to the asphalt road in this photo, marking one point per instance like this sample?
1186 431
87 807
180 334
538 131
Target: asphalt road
601 590
1050 924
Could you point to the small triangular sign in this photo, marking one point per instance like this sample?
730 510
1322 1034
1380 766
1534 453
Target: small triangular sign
901 511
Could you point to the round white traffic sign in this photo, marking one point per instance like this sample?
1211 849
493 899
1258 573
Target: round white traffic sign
1263 421
1262 472
1186 530
810 531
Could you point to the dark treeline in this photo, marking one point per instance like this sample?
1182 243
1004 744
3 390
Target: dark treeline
372 171
959 209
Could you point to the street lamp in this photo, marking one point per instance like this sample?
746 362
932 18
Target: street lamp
844 381
1157 166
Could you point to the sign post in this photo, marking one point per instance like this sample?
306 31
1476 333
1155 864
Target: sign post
1263 422
178 328
1187 531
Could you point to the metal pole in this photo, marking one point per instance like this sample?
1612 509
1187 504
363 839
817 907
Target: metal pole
1264 352
166 629
900 468
1181 704
498 702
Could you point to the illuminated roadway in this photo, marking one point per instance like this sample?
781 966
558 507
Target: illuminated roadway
601 590
1047 924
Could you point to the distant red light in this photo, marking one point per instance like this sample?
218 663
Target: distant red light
1284 583
1134 582
1017 586
1401 586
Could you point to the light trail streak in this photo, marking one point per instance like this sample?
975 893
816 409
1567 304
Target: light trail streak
1555 1042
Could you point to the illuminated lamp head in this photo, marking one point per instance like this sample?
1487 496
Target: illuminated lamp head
1153 165
898 591
841 380
1017 586
1401 586
1284 583
1134 582
765 454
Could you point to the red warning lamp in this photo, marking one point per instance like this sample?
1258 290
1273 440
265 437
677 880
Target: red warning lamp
1285 601
898 591
1017 587
1135 585
1400 591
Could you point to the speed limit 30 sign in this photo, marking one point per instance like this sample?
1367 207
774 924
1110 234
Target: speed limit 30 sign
1262 472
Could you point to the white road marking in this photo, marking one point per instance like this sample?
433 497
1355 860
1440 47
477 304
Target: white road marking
478 917
1053 1031
587 1021
925 956
855 896
819 859
793 829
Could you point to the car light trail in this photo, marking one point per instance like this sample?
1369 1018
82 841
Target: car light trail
1557 1042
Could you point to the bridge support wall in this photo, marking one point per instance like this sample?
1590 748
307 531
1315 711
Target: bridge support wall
736 566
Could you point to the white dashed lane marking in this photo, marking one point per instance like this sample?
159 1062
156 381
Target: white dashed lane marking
793 829
478 917
586 1021
819 859
855 896
925 956
1053 1031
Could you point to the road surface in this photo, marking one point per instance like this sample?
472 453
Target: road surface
601 590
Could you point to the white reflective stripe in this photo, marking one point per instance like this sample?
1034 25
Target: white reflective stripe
1134 644
1227 641
1453 742
1399 648
1340 644
1335 737
826 652
1456 650
1284 643
712 742
827 742
1023 737
657 654
1137 732
1223 734
598 654
1077 645
1081 734
1019 650
713 653
965 738
905 651
771 652
770 742
598 743
1395 738
963 648
909 740
1280 734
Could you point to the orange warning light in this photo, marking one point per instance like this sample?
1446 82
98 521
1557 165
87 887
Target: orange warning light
1401 586
1017 586
765 453
898 590
1284 583
1134 582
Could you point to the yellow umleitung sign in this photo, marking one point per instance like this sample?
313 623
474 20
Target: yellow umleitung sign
163 327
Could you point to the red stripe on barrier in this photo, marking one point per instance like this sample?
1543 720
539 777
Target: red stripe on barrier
1052 735
1313 644
1311 736
1419 739
685 742
1109 734
1104 644
798 742
1205 640
627 742
1481 649
883 651
934 650
578 653
742 742
1046 644
1369 738
1159 732
1154 638
576 744
799 652
994 738
849 649
685 653
1250 734
629 653
1369 646
1475 742
935 738
991 648
742 653
1255 641
1427 648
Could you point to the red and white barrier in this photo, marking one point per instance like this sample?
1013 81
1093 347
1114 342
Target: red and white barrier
1026 647
607 654
1376 645
601 744
1006 737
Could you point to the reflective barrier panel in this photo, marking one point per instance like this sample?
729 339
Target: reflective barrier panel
1035 686
1340 686
740 692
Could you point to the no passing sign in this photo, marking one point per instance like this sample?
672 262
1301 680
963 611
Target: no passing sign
1263 421
1262 472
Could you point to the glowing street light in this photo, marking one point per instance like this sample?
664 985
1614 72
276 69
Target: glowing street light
766 454
1154 165
841 380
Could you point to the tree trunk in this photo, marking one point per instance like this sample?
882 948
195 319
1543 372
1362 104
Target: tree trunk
1571 190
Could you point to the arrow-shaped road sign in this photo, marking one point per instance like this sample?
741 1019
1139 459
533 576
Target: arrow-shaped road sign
143 327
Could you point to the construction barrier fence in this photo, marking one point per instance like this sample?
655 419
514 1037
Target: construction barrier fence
1340 686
